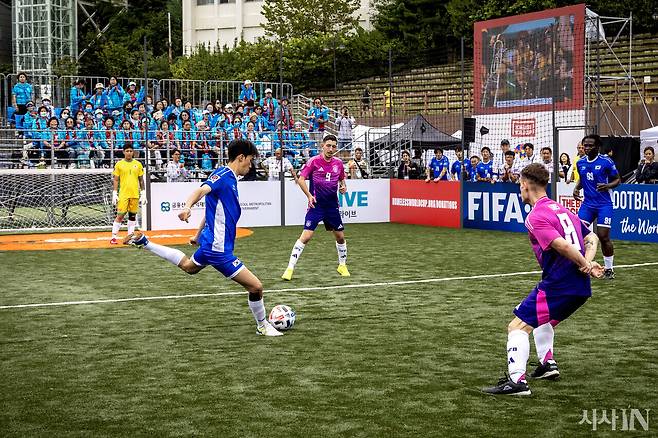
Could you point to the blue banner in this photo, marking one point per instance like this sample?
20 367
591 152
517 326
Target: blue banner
494 207
635 215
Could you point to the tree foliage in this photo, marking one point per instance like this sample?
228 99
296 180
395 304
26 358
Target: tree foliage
287 19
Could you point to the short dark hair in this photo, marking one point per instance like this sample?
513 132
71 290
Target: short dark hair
529 145
79 82
241 147
459 149
504 141
536 173
358 149
508 153
596 138
406 152
546 148
486 148
438 149
128 145
329 137
473 156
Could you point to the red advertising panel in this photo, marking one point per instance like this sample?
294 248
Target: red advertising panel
526 62
421 203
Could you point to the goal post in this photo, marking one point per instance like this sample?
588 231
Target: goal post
43 200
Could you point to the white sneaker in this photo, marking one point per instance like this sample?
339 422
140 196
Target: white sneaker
267 330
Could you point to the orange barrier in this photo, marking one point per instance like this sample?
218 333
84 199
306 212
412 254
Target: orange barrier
46 242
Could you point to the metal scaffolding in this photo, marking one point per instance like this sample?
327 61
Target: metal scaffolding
43 32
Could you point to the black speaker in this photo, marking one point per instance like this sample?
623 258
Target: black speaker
469 130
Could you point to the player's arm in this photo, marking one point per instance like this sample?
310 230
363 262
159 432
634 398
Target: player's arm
194 240
568 250
342 187
301 181
115 189
611 185
576 190
591 242
192 200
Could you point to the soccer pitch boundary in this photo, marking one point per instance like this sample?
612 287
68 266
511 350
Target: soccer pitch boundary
296 289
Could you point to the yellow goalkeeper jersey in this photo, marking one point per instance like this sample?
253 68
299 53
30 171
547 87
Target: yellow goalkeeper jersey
128 173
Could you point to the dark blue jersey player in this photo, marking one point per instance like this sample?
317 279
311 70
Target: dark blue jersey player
598 175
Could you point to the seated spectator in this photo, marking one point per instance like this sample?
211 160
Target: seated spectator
186 143
86 146
21 93
272 166
438 168
176 171
647 169
283 114
63 117
456 168
509 172
300 141
565 168
484 169
269 105
547 161
45 101
108 137
358 167
55 145
407 168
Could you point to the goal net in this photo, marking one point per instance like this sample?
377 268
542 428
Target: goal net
55 199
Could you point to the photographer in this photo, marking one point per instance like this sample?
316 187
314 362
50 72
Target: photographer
358 167
647 170
345 123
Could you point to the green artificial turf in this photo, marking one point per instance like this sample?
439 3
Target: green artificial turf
385 360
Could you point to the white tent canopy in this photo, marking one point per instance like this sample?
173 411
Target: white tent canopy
648 137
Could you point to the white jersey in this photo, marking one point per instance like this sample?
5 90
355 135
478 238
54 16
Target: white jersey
273 167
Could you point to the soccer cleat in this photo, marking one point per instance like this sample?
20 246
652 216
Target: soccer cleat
548 370
608 274
137 239
267 330
114 241
342 270
287 275
506 386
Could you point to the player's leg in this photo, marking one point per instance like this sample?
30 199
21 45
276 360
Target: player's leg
133 208
122 209
254 287
334 223
544 336
313 217
603 224
172 255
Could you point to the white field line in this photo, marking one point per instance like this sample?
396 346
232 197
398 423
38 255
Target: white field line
297 289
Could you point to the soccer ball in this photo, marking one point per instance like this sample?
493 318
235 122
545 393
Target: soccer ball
282 317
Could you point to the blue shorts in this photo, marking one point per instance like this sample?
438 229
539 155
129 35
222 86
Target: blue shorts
228 264
602 214
538 308
330 217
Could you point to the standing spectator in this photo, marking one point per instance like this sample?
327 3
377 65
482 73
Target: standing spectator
247 94
509 172
366 102
21 94
317 116
99 100
438 168
283 115
647 170
484 169
77 95
530 156
407 168
456 168
269 105
580 153
473 175
345 123
387 102
133 95
499 159
273 164
176 171
358 167
566 169
547 160
114 95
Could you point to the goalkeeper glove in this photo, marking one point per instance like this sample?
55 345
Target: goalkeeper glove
142 198
115 197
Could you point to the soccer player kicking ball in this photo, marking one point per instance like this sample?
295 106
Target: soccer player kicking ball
216 233
128 192
565 248
327 176
598 175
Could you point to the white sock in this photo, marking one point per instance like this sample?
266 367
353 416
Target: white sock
258 309
174 256
131 226
341 248
295 254
543 336
607 261
115 229
518 350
